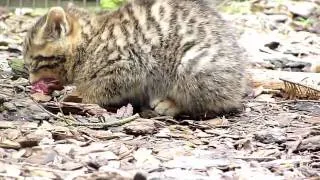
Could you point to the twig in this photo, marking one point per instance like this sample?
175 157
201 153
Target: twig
125 154
256 118
259 159
7 85
104 124
6 94
109 124
59 106
295 146
290 101
165 119
42 108
60 109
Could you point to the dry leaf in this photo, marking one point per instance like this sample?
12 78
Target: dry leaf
217 122
312 120
265 98
141 127
40 97
256 91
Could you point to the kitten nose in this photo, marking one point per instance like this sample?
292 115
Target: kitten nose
56 13
56 9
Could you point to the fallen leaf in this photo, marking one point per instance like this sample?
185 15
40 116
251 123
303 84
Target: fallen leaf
141 127
272 135
256 91
244 144
201 134
69 166
217 122
40 97
6 143
311 143
265 98
41 157
145 158
312 120
12 170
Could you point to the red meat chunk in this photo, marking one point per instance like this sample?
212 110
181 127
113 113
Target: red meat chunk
46 86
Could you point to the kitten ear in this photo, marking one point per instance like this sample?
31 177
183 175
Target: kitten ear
56 25
70 5
76 11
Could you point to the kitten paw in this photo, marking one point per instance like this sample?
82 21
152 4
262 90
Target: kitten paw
165 107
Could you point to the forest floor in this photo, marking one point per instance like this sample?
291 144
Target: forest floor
273 138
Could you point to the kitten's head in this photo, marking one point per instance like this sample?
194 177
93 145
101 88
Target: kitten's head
50 43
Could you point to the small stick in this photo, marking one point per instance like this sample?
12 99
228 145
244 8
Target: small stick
59 106
295 146
257 158
7 85
104 124
109 124
42 108
125 154
60 109
290 101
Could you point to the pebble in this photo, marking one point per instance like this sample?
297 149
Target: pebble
41 116
273 135
279 18
303 9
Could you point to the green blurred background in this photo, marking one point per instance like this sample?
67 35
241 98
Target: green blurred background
99 4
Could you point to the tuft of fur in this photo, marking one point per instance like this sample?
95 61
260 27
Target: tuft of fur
177 57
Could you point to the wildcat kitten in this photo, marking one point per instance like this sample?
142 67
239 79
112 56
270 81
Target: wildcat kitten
177 57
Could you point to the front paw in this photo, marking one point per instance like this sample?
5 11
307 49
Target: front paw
165 107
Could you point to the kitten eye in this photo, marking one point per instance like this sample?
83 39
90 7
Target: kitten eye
60 58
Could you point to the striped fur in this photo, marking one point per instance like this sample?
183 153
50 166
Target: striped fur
178 57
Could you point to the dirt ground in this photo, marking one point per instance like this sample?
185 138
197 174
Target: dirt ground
272 138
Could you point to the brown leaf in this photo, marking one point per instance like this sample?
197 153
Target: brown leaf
40 97
265 98
311 143
42 157
6 143
141 127
33 138
11 134
217 122
73 97
75 108
313 120
256 91
71 166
